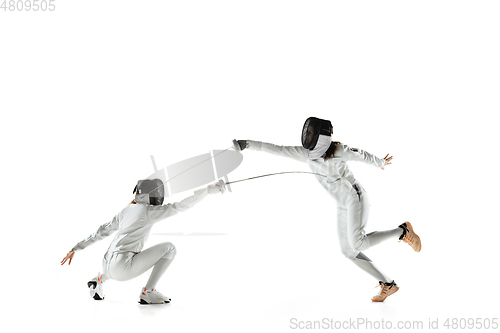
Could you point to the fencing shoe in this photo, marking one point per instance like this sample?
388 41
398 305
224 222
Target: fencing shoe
386 289
410 237
95 287
152 296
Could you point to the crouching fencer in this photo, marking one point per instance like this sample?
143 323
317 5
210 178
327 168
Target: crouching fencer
125 259
329 161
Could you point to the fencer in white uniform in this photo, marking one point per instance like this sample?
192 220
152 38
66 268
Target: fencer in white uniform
125 259
327 158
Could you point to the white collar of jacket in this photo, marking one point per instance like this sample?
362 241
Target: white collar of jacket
321 147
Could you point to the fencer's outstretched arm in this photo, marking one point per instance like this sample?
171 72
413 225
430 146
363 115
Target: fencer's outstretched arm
297 153
102 232
158 213
347 153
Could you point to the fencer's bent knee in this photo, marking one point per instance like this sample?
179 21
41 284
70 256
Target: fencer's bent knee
356 246
359 248
359 244
348 252
170 250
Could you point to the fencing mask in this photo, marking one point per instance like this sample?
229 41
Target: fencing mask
316 136
149 191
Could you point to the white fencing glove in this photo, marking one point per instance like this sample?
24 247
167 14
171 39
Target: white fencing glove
215 188
240 145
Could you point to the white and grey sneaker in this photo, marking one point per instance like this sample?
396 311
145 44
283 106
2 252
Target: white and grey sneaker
152 296
95 287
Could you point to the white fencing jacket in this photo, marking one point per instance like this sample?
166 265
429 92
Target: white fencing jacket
339 178
133 224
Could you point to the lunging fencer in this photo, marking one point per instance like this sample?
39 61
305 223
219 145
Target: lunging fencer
124 259
327 158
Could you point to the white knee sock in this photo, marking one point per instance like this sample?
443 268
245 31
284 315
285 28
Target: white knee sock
158 270
378 237
367 265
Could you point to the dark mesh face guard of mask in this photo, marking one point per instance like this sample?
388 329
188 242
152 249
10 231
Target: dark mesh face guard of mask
312 129
155 189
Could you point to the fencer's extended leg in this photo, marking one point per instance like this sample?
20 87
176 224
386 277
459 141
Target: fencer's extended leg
378 237
357 257
351 221
404 233
357 217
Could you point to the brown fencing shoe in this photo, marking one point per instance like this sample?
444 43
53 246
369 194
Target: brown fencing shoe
410 237
386 289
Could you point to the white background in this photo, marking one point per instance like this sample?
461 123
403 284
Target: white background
89 91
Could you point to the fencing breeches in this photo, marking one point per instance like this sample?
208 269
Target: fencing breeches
128 265
351 221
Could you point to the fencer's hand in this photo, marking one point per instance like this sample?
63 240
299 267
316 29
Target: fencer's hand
222 186
215 188
387 160
68 256
240 145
